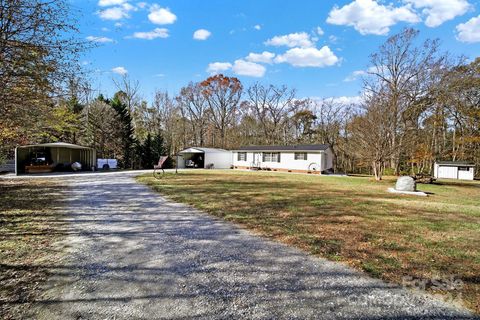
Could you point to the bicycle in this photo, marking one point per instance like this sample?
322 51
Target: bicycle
158 171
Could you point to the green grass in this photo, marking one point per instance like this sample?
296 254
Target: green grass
349 219
30 221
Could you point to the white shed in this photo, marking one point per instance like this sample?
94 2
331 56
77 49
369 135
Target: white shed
208 158
454 170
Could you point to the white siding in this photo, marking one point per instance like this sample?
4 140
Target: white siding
220 160
466 175
180 162
247 163
287 161
447 172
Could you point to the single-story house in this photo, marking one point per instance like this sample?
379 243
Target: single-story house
205 158
310 158
48 157
461 170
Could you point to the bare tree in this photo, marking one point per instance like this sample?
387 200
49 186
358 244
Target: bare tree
102 129
167 117
371 136
131 89
330 123
400 74
272 107
223 96
193 100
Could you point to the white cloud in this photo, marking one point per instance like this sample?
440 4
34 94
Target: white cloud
355 75
120 70
264 57
159 15
320 31
107 3
99 39
117 13
344 100
257 27
308 57
154 34
250 69
298 39
332 39
201 34
218 67
469 31
360 73
439 11
370 17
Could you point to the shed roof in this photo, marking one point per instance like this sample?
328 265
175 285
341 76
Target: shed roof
55 145
299 147
455 163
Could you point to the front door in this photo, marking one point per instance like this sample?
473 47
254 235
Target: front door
257 158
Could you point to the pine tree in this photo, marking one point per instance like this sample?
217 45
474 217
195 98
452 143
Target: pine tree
128 138
158 146
148 157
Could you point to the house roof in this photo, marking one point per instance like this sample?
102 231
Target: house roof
455 163
299 147
202 150
55 145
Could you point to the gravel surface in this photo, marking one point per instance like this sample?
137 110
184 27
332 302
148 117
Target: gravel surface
134 255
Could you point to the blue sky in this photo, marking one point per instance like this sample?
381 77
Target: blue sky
321 48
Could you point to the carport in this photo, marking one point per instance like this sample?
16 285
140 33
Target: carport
208 158
49 157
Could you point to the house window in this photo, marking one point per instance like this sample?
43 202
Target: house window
271 157
242 156
463 169
300 156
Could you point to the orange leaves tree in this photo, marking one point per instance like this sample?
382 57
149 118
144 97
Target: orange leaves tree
223 95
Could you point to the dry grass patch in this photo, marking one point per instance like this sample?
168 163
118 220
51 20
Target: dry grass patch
30 218
349 219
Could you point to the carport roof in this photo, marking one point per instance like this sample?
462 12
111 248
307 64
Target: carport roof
55 145
202 150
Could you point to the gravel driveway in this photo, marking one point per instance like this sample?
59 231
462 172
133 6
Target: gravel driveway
135 255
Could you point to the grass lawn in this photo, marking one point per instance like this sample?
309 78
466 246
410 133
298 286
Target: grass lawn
30 219
353 220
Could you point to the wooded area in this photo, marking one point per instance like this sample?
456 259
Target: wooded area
419 104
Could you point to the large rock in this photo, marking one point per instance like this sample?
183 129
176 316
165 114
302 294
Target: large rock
406 183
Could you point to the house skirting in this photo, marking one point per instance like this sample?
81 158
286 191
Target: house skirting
277 170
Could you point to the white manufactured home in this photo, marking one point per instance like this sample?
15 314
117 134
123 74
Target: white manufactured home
454 170
312 158
204 158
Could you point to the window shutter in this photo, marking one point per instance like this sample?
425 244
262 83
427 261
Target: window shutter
278 157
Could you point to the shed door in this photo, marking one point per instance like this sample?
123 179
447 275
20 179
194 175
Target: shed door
465 173
447 172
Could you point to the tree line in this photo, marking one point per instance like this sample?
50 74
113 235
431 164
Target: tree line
418 105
